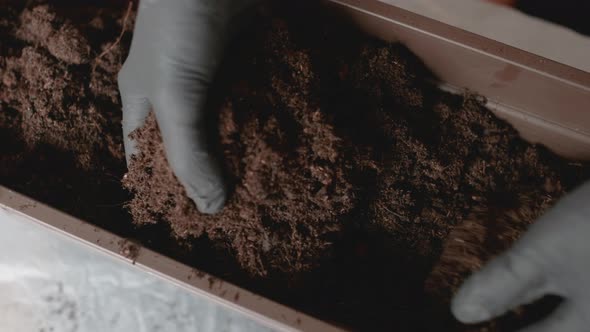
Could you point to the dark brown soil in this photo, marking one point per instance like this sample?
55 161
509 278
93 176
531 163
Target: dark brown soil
59 107
361 194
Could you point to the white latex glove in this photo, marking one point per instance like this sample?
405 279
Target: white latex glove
174 55
553 257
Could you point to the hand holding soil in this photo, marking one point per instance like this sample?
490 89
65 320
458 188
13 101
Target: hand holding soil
174 54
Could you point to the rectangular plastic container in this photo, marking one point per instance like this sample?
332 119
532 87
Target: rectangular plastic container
546 101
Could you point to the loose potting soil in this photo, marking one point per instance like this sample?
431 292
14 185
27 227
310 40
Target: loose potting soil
359 192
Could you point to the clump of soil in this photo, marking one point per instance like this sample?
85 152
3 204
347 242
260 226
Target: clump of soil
352 176
278 218
129 250
290 168
60 116
49 76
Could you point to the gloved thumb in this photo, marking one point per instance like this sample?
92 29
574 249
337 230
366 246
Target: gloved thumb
513 279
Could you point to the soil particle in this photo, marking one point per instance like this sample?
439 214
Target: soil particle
199 274
211 281
129 249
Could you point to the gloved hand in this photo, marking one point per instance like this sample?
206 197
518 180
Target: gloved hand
174 55
553 257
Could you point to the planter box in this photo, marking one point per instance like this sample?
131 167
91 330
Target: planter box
546 101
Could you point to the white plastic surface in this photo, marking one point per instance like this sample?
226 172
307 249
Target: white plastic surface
49 282
507 26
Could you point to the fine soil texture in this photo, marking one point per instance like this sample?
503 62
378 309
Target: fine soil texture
359 192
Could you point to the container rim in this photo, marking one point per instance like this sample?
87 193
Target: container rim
257 308
475 42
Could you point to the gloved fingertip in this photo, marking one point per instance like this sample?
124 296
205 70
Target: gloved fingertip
135 111
130 149
210 203
469 312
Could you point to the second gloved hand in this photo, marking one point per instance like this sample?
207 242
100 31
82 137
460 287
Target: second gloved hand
174 55
553 257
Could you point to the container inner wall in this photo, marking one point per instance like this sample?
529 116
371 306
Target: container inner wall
546 101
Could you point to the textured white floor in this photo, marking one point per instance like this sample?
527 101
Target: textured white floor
49 282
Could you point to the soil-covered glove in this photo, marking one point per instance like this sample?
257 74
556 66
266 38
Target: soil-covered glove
174 55
553 257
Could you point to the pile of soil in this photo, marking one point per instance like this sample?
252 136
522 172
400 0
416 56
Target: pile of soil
60 115
360 193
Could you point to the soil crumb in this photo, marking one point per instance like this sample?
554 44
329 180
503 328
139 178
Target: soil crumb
129 249
360 193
